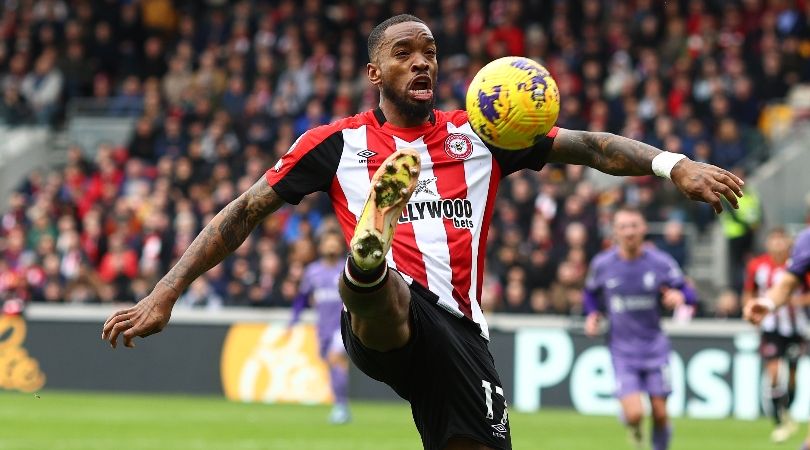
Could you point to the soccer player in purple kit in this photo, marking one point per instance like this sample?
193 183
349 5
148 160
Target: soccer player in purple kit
319 287
796 276
628 284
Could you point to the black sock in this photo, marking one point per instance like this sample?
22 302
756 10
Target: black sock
360 280
791 395
777 402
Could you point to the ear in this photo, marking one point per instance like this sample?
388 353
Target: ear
374 74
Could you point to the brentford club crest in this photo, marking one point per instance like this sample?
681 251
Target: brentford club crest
458 146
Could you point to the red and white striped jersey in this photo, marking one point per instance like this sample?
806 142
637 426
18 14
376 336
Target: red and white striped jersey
439 242
762 273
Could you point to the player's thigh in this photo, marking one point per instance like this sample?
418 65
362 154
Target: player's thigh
772 370
380 319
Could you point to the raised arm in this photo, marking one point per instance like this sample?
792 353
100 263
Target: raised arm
618 155
224 234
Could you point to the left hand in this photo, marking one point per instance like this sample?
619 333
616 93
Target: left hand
672 298
706 183
756 310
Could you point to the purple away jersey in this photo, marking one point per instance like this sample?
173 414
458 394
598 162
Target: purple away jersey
319 285
628 292
799 263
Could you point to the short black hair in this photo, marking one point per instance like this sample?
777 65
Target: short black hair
377 33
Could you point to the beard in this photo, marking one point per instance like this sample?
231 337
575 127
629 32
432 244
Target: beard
411 110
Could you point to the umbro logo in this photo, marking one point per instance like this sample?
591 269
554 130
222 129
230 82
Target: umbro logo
500 428
366 155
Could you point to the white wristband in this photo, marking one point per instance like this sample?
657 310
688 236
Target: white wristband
767 302
663 163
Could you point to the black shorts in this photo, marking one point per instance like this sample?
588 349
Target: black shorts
445 371
774 345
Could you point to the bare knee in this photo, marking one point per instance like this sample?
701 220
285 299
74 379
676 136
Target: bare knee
633 417
632 410
465 444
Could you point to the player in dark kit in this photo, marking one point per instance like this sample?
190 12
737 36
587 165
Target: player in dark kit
629 284
412 315
782 332
796 276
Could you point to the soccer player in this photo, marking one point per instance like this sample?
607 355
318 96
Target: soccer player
796 276
319 285
412 316
781 331
628 284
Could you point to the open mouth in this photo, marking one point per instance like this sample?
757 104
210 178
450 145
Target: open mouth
421 88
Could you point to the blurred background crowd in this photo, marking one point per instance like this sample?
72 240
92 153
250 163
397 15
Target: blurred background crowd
219 90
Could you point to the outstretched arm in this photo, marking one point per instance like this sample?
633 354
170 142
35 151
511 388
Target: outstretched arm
778 295
618 155
224 234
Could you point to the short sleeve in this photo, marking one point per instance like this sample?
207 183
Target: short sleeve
799 263
308 166
672 272
534 157
592 279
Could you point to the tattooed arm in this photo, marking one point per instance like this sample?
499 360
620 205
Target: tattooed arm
224 234
618 155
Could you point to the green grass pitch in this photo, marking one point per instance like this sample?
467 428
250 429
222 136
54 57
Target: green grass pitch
89 421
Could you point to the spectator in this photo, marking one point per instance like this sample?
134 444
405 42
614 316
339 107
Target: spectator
673 242
13 109
42 88
739 228
77 69
177 81
219 92
129 101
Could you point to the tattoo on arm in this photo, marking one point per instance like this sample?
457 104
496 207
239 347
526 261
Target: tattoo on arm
606 152
224 234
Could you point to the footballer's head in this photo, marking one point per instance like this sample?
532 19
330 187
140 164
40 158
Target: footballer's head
330 245
778 243
402 55
629 229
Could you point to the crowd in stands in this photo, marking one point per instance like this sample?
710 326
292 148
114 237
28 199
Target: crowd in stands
219 90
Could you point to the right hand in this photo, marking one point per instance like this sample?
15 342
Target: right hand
757 309
707 183
147 317
592 324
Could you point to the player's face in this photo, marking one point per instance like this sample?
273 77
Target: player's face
777 245
629 229
407 68
331 246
